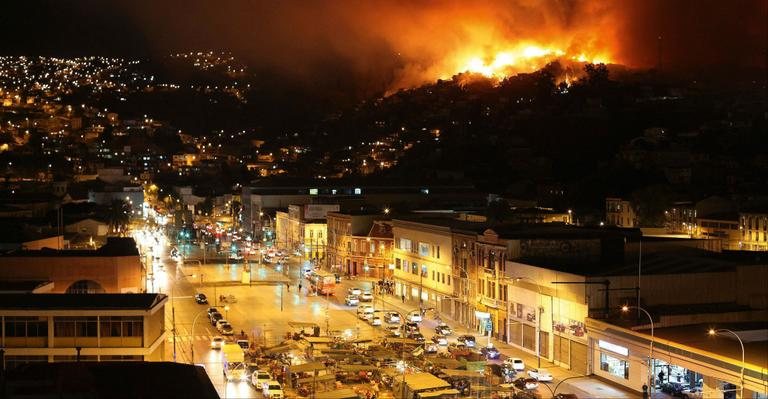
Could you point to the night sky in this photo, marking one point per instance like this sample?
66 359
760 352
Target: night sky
388 40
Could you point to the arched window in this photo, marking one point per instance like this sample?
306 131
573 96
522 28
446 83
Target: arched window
85 287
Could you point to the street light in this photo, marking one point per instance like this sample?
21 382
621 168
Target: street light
226 312
539 311
714 332
625 309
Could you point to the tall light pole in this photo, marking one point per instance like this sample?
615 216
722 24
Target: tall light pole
714 332
625 309
539 312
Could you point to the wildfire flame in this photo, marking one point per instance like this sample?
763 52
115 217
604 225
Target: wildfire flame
522 58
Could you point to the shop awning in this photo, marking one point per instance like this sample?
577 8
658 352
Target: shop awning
281 348
319 378
437 394
306 367
423 381
358 367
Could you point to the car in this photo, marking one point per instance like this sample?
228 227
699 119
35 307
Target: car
526 383
219 322
211 311
259 377
692 393
375 320
443 329
431 348
440 340
393 330
201 299
217 342
490 352
366 316
542 375
392 317
414 317
366 296
459 349
243 343
226 329
354 291
351 300
417 336
215 317
272 390
516 363
411 327
467 340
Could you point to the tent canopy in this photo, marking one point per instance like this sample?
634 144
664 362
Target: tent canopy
442 392
303 368
423 381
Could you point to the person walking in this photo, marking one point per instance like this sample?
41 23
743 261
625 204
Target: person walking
402 297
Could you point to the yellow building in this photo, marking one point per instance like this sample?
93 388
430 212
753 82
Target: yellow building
422 263
723 227
95 327
303 228
754 231
619 212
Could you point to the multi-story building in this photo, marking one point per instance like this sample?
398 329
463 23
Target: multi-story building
360 243
84 327
619 212
303 228
723 227
423 263
754 231
115 267
680 218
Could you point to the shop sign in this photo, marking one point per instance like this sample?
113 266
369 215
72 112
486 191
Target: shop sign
482 315
613 347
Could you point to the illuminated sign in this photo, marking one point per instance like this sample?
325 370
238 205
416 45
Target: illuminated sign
613 348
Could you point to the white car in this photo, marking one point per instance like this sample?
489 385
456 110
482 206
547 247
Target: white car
355 291
540 374
440 340
217 342
272 390
351 300
394 330
375 320
362 309
414 317
220 322
366 296
392 317
516 363
259 377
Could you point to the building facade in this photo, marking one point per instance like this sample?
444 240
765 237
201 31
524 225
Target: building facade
93 327
619 212
754 231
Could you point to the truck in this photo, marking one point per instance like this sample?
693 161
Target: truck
234 362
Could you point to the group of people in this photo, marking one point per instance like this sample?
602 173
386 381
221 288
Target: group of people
386 286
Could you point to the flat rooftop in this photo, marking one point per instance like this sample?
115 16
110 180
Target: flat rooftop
115 246
80 301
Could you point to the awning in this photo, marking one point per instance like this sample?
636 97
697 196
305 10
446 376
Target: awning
442 392
319 378
280 349
318 340
337 394
423 381
358 367
303 368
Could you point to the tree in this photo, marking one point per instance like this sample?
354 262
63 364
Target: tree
118 214
650 203
597 74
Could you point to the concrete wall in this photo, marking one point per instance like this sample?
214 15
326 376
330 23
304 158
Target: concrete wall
114 274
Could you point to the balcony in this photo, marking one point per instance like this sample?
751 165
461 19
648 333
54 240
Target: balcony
493 303
489 271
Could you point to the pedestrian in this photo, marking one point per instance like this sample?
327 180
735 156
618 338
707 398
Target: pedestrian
402 297
299 287
288 287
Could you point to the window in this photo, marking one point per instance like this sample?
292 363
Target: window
414 268
433 275
423 249
312 191
122 326
449 280
397 263
21 326
405 244
614 366
424 271
373 247
358 191
74 326
438 252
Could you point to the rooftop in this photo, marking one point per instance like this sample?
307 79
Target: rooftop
115 246
109 380
80 301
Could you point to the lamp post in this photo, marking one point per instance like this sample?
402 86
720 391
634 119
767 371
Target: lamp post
625 309
538 317
271 224
714 332
226 312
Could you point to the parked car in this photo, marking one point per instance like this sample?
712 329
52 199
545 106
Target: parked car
392 317
351 300
364 309
259 377
672 388
217 342
440 340
211 311
490 352
375 320
226 329
243 343
393 330
526 383
272 390
411 327
354 291
215 317
516 363
414 317
219 322
201 299
416 336
467 340
366 296
540 375
443 329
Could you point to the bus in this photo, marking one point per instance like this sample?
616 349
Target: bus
323 282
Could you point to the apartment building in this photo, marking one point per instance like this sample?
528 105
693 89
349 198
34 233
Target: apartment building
754 231
84 327
619 212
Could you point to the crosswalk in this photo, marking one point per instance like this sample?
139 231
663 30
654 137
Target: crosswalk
187 338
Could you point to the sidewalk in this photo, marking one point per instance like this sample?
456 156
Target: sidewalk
583 386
